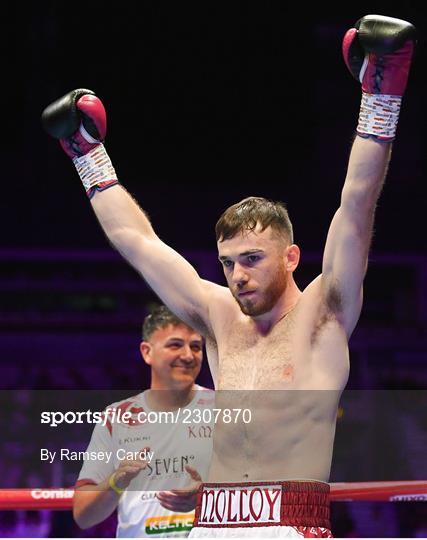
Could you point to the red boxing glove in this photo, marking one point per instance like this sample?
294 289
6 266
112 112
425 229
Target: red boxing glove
79 121
378 52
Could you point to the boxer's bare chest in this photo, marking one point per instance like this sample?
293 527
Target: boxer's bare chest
250 360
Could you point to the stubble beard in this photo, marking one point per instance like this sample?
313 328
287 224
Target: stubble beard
273 292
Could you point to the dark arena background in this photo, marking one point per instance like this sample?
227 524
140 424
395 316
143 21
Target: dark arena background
207 104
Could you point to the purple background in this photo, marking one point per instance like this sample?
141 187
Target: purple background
206 105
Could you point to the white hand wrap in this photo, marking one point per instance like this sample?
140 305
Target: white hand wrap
95 167
379 114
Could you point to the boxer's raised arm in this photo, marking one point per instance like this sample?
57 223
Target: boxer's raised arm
378 52
78 120
346 252
171 277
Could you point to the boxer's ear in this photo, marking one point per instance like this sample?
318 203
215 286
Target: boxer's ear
292 257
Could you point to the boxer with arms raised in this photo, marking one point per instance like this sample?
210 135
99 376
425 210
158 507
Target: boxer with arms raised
262 332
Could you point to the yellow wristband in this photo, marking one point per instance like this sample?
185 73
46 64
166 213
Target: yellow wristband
114 486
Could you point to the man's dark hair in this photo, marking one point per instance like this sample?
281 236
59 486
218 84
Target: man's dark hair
248 213
159 317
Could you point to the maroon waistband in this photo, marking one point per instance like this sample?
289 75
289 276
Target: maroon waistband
263 504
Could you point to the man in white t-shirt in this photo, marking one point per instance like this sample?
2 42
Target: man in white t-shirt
152 458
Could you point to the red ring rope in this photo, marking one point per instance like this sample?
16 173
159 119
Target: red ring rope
62 499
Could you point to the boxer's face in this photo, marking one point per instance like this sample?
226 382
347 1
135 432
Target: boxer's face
174 354
254 264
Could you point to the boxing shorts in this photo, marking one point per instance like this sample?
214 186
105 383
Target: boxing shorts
263 509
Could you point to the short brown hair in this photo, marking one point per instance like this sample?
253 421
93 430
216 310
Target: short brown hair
248 213
160 316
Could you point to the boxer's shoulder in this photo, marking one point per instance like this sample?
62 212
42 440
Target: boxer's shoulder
318 310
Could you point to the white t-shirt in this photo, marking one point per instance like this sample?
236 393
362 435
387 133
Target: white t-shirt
175 444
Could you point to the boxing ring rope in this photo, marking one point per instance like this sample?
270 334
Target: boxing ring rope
62 499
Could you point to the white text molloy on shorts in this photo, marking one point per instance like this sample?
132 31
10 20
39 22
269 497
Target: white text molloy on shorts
240 505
